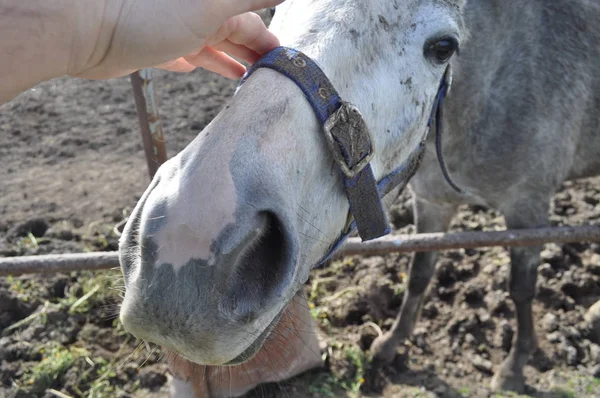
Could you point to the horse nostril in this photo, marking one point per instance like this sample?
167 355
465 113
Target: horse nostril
268 247
263 271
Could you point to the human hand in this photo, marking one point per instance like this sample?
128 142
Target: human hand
117 37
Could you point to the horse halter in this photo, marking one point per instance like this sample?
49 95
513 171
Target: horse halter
350 142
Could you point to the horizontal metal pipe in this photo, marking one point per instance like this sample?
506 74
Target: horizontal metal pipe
470 240
53 263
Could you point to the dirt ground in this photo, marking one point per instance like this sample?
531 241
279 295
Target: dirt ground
73 167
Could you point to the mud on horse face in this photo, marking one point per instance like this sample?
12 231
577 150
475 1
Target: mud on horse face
229 229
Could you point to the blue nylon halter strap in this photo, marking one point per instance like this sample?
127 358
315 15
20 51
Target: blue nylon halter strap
397 179
346 132
350 143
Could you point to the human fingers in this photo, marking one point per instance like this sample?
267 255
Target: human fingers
246 30
238 51
177 65
218 62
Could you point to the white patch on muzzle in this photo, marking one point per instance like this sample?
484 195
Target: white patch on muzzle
197 208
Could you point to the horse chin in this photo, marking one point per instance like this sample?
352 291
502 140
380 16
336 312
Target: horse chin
258 343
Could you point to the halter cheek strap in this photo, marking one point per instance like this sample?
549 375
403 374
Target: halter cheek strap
437 115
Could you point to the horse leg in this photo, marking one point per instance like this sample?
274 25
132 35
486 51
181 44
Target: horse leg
527 213
429 218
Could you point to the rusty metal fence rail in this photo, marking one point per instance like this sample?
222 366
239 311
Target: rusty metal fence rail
390 244
154 147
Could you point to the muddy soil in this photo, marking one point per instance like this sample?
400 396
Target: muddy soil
73 167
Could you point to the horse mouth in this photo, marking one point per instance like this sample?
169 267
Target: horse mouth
258 343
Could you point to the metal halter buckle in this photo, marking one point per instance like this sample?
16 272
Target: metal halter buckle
349 139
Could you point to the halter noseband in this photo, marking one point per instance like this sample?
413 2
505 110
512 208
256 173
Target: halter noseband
350 143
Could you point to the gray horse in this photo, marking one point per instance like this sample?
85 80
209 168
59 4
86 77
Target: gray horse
522 117
229 229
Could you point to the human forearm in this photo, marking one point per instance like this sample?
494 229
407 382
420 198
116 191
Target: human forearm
100 39
35 43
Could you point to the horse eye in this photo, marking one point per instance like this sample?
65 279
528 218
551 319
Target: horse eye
442 50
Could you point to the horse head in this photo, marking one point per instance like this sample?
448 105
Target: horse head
229 229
